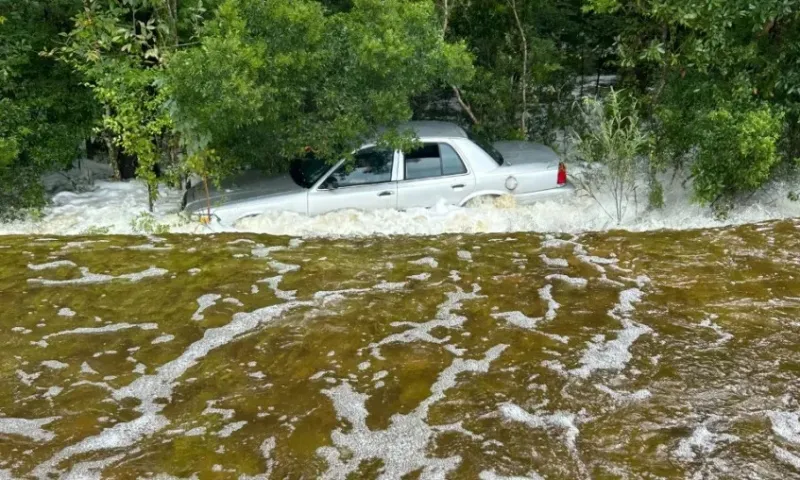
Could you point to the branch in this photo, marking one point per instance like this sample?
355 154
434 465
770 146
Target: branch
446 15
524 79
464 105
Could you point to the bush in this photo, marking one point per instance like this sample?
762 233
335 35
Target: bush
21 192
737 152
612 147
146 223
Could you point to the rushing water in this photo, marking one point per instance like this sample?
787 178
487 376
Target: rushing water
608 355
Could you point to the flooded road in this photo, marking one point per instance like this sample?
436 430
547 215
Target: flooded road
603 355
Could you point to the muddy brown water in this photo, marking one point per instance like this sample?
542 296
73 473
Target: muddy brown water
607 355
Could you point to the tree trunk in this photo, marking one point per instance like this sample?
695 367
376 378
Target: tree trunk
150 197
113 157
524 78
127 165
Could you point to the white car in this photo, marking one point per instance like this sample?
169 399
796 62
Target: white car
448 167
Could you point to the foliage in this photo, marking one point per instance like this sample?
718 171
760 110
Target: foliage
722 82
120 47
530 59
737 151
613 148
286 75
146 223
45 113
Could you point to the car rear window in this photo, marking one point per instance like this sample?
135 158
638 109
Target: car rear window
487 147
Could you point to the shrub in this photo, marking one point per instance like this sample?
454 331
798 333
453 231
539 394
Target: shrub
612 147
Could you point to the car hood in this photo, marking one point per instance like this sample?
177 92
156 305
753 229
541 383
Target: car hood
246 186
529 153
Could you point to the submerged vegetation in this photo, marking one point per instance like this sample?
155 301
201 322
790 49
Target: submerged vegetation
208 87
670 354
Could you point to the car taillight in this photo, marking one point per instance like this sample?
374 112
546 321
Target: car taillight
562 174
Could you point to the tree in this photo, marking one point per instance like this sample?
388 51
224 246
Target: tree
529 57
720 82
270 79
46 114
121 48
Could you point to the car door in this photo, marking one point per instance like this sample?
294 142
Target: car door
366 183
433 173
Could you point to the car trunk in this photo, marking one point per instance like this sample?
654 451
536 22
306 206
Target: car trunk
534 154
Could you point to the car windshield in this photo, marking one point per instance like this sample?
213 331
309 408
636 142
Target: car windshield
306 171
488 148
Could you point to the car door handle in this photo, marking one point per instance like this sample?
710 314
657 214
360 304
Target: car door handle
385 194
458 187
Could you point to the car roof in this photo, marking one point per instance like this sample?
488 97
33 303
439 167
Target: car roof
431 128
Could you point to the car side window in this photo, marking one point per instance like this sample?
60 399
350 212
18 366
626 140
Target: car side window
370 165
433 160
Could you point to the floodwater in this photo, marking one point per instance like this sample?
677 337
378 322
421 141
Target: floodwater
650 355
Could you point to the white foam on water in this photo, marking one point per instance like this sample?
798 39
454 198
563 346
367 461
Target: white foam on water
420 276
66 312
554 262
91 470
89 278
230 428
163 339
572 281
52 392
490 475
148 388
52 265
390 286
624 397
518 319
283 268
260 251
787 457
546 294
614 354
54 364
205 302
27 378
724 337
115 205
702 441
226 413
429 261
266 448
273 282
233 301
86 368
159 385
403 446
445 318
562 421
27 428
114 327
465 255
149 247
786 425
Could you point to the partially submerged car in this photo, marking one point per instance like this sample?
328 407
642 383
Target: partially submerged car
447 166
